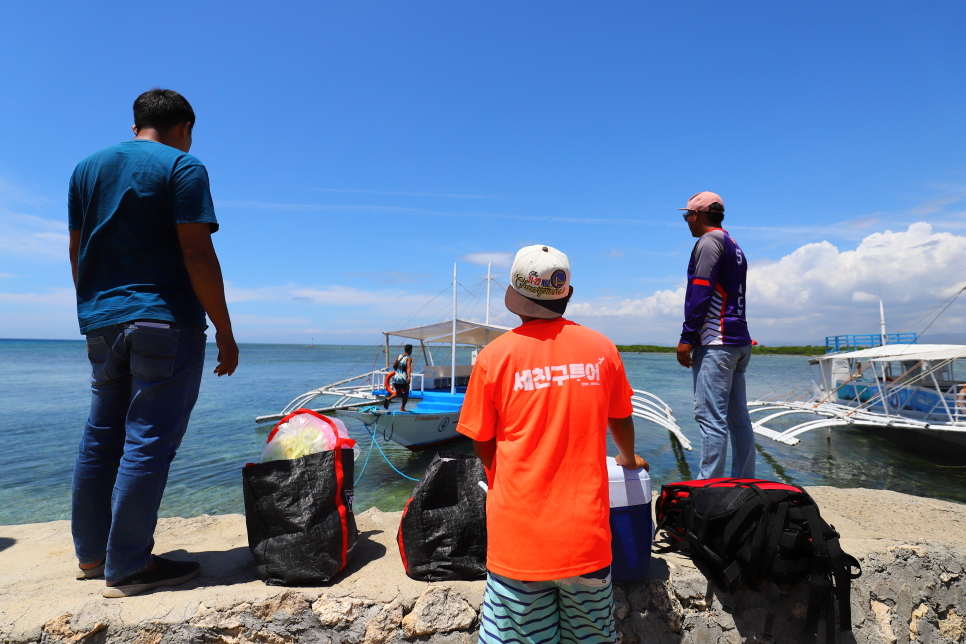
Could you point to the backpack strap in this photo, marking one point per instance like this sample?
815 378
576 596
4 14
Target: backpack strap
842 565
769 557
820 591
753 571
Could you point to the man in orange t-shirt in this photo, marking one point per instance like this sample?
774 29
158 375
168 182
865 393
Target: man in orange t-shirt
538 407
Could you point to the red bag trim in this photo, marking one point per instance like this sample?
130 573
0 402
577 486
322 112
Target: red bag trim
340 504
340 442
727 482
674 494
399 537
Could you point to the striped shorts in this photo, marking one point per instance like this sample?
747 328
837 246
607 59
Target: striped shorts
573 610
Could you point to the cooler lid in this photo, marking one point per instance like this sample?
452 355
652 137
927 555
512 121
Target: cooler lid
627 487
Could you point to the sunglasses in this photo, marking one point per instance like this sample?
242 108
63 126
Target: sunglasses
688 214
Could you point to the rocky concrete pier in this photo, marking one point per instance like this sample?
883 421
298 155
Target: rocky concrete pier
913 589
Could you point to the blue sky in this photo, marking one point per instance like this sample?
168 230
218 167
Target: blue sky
357 150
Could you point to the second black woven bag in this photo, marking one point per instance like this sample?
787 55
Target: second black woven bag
442 534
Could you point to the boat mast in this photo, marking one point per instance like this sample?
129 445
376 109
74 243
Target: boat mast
452 380
882 330
488 280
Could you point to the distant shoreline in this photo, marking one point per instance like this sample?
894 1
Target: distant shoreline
807 350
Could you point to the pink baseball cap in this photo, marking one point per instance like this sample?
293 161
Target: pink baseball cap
705 202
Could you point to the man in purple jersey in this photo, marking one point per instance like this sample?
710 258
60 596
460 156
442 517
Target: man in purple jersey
715 341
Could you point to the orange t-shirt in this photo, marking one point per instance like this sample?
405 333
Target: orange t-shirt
545 391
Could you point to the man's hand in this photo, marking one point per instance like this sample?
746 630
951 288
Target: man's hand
684 355
227 354
622 431
205 272
637 463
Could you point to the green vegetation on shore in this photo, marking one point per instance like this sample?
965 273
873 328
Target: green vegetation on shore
807 350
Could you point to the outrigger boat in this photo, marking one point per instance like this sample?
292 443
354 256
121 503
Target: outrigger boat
436 393
877 381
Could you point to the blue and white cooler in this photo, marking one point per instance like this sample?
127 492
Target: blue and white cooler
632 529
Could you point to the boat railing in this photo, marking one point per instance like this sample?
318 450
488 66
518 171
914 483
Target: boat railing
836 343
357 388
649 407
379 378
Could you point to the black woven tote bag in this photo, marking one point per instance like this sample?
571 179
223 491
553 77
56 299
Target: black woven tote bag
301 529
442 534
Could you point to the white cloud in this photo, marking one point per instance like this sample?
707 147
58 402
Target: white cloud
406 210
819 290
32 237
335 295
390 277
235 294
937 205
660 304
499 260
11 193
368 333
247 319
350 296
7 275
56 297
412 194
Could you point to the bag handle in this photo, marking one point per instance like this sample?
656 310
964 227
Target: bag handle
340 442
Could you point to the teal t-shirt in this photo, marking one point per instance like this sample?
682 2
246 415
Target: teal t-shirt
126 201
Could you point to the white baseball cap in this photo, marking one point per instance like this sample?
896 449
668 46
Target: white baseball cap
539 283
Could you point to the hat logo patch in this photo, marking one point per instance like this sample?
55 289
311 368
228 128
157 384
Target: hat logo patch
535 286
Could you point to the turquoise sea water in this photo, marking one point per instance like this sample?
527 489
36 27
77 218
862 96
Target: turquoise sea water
44 398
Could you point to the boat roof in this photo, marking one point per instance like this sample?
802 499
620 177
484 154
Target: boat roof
892 352
472 333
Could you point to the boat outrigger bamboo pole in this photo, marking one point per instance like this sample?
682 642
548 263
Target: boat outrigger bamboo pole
452 379
387 351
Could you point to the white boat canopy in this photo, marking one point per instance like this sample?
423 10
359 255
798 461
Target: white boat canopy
472 333
892 352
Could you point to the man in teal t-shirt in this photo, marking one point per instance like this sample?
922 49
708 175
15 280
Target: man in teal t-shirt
140 219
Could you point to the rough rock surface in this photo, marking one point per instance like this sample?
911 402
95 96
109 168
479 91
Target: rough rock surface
913 589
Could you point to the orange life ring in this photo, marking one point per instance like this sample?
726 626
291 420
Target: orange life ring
387 383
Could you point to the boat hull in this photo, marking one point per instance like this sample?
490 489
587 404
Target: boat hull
937 436
412 430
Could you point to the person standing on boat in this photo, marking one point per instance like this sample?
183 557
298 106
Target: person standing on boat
402 376
538 406
715 343
140 218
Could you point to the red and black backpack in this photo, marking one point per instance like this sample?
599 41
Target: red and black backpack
751 530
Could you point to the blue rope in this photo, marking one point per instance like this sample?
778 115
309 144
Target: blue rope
368 454
379 447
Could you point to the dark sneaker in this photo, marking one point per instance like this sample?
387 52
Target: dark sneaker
166 573
385 403
91 573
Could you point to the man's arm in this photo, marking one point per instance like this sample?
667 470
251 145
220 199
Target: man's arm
485 451
205 272
73 249
707 257
622 431
409 369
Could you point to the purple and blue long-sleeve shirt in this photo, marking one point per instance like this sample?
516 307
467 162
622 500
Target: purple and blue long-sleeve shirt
714 303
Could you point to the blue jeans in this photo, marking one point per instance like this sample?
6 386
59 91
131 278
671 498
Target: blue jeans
721 409
144 381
